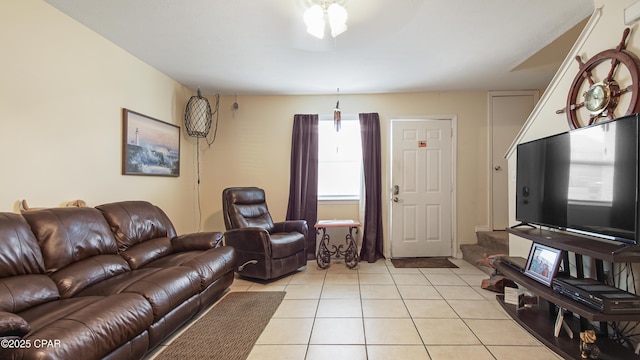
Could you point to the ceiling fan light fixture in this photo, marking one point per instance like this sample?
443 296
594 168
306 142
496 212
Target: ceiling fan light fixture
314 19
337 19
337 114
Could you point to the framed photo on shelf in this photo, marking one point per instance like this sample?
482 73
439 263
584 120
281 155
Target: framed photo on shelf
149 146
543 262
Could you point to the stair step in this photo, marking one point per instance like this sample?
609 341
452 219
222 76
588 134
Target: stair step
495 240
490 243
473 252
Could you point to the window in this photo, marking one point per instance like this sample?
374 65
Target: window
339 159
591 168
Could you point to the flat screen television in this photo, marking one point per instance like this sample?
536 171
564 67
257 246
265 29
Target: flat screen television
584 180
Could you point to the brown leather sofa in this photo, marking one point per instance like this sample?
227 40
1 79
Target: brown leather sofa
266 250
108 282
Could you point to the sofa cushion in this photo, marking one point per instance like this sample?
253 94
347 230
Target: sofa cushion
78 247
171 231
140 254
164 289
18 293
286 244
68 235
20 253
13 325
197 241
22 280
84 328
133 222
78 276
210 265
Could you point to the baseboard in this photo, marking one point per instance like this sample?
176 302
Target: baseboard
483 228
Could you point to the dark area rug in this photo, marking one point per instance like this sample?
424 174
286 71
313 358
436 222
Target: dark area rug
423 262
229 330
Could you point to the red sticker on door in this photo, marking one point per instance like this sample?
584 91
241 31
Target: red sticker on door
422 143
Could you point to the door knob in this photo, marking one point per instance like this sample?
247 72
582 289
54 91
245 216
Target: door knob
498 168
396 190
395 199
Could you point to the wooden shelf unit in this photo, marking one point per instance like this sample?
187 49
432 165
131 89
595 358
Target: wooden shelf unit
598 249
539 323
566 302
539 320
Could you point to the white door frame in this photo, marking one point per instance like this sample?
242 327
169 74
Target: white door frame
490 96
454 137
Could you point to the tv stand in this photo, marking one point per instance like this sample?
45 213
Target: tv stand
625 248
542 321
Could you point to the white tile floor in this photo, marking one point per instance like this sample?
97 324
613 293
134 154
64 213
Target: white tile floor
380 312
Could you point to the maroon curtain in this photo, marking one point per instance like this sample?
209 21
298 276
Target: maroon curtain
372 245
303 186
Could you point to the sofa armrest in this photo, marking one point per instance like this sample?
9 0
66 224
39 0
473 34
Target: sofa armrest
252 239
291 226
197 241
13 325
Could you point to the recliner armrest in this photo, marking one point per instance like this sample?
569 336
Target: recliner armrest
292 226
13 325
252 239
197 241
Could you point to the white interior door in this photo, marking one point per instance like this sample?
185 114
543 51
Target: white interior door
421 206
508 112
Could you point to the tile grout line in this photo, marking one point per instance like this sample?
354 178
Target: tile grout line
364 328
315 315
424 345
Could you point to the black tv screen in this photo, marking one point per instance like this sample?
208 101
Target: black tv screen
584 180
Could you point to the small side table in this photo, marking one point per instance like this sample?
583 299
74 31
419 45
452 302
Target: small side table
350 254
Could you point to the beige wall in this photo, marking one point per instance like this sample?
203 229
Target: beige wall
606 33
253 148
62 91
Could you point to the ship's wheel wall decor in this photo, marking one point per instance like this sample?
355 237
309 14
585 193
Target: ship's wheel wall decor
606 87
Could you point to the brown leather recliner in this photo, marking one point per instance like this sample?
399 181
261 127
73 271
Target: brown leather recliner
266 250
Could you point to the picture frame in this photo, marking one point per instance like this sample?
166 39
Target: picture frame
150 146
543 263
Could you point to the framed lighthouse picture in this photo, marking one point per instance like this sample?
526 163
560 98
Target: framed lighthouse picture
149 146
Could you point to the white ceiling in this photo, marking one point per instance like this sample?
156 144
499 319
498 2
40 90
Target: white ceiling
260 47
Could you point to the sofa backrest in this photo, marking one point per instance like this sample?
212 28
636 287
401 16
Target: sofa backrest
246 207
77 246
142 230
23 282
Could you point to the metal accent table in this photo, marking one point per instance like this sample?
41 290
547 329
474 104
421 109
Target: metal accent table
350 254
